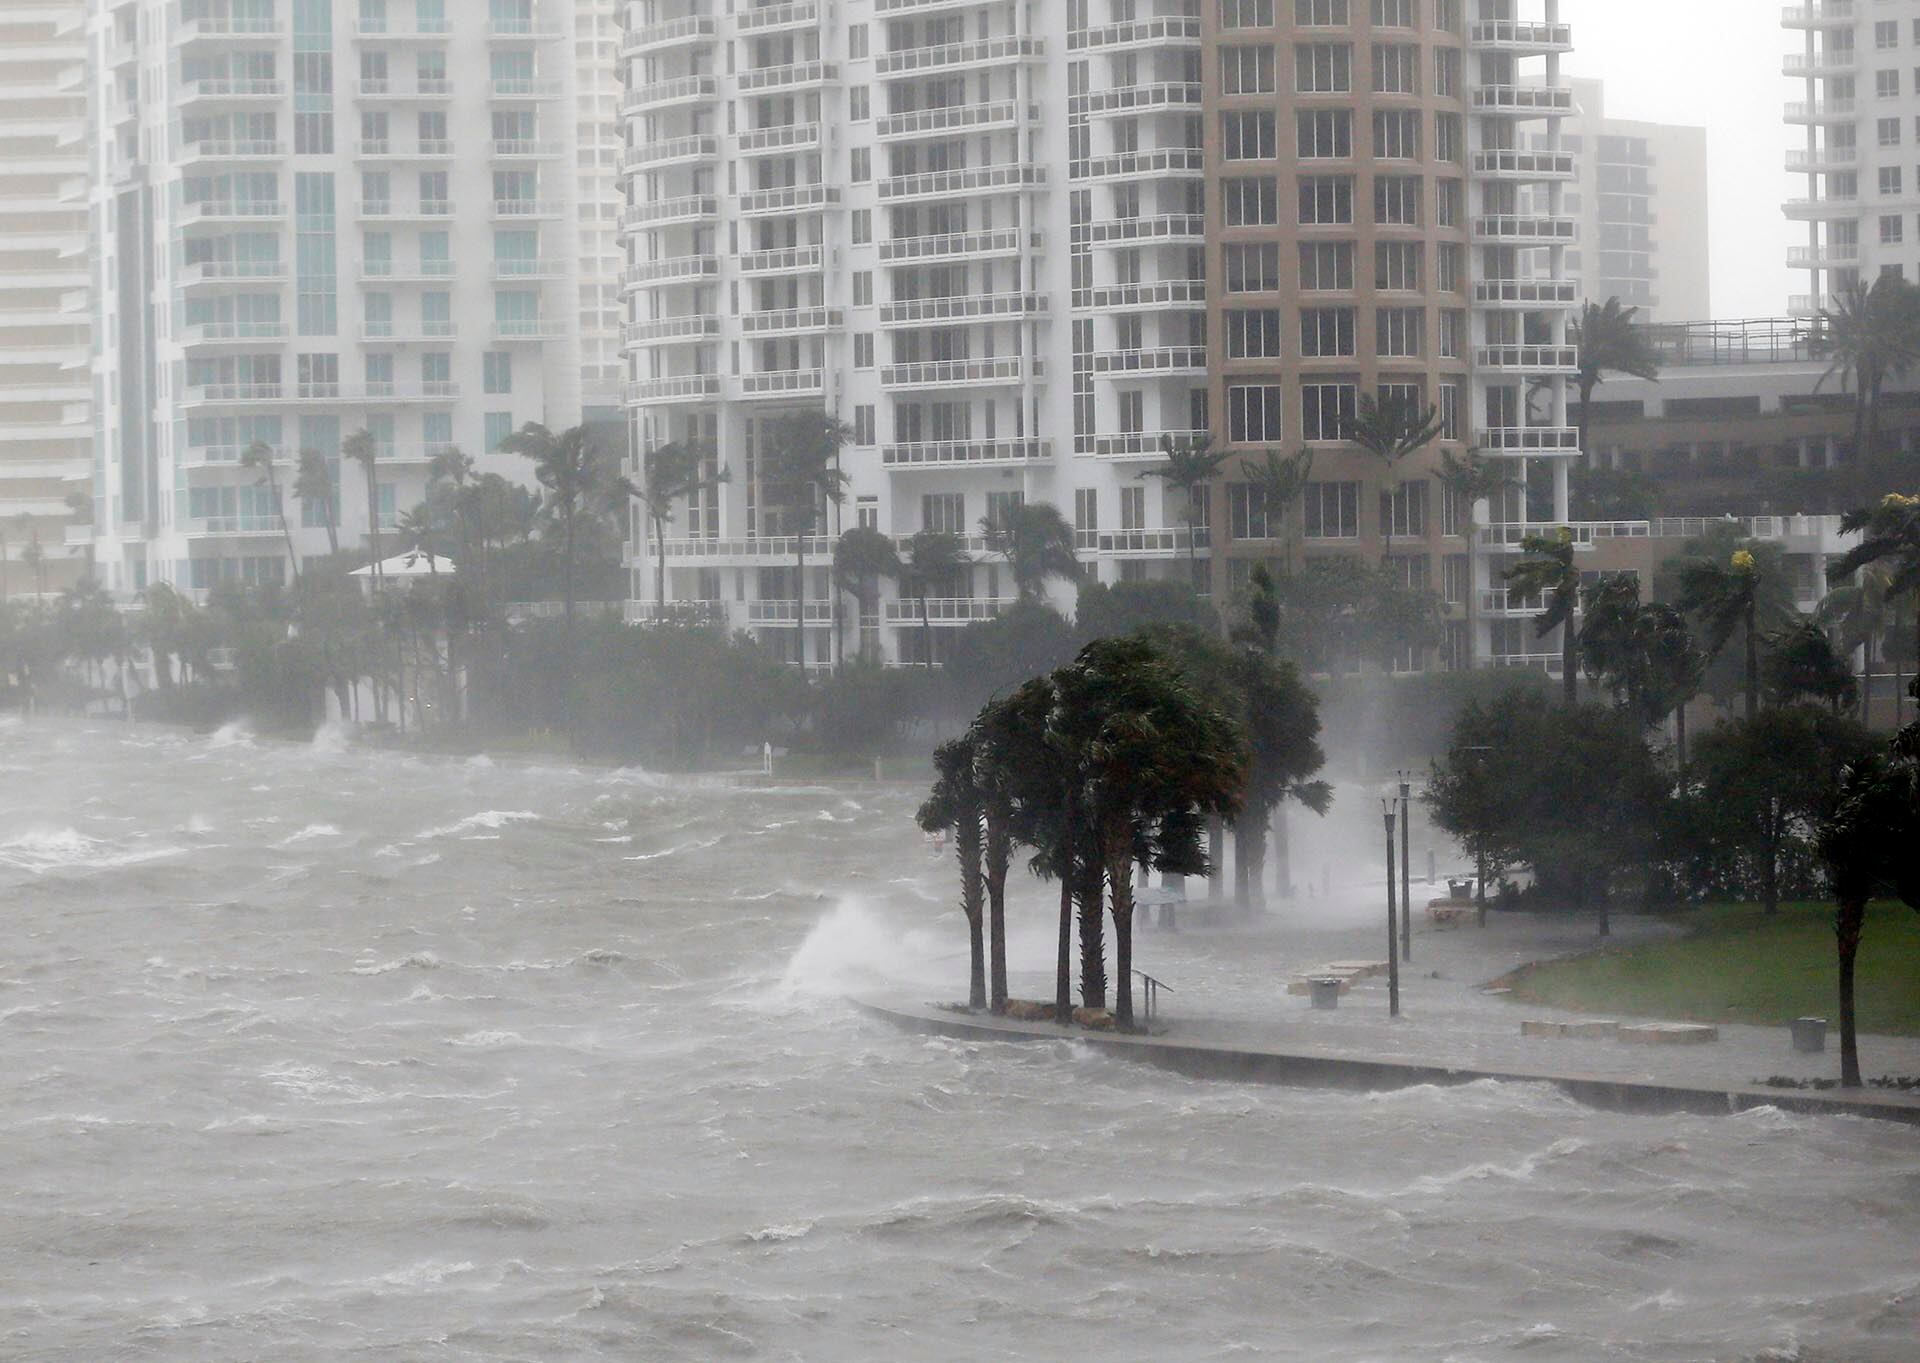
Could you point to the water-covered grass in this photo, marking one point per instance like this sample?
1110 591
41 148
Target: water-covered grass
1735 964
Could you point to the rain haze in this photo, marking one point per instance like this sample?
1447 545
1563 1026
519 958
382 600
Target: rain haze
919 681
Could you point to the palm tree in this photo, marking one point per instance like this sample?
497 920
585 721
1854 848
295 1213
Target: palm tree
1281 480
1861 619
259 456
1190 466
313 486
1644 653
1867 334
1726 597
1038 543
569 466
955 805
670 473
1609 342
1802 663
1154 762
363 450
1469 479
36 559
1890 532
932 555
1548 571
415 529
862 556
1280 718
1390 431
802 468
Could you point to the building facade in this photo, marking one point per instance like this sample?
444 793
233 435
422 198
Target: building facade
46 450
601 146
1857 125
1014 246
1641 200
316 218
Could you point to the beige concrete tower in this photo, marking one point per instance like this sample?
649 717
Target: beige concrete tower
46 451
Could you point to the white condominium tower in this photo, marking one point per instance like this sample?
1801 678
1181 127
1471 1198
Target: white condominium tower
1857 126
46 451
1014 244
314 218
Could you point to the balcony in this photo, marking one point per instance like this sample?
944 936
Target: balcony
791 321
230 210
232 150
955 246
956 118
1177 96
1513 229
1520 37
1817 160
1162 32
998 53
652 39
999 371
1173 229
1821 209
1523 101
673 269
1503 603
1840 256
527 208
208 526
232 333
426 272
533 30
779 137
231 30
963 308
784 260
1530 166
427 89
665 93
1822 111
230 90
1131 165
668 331
761 549
672 151
527 329
384 31
772 18
1821 14
1188 360
524 149
946 610
1583 533
675 388
1529 359
783 383
1144 444
776 612
1529 439
789 199
211 272
529 268
1157 293
527 87
958 454
1527 293
1832 62
942 184
1172 542
1811 304
794 76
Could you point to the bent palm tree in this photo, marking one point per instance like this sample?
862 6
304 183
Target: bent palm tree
313 485
1890 532
802 463
1548 571
1390 430
1190 466
670 473
570 468
1470 479
932 555
1609 342
1038 543
861 557
955 805
1726 597
259 457
1281 480
1867 334
365 451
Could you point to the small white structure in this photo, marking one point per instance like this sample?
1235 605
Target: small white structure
406 567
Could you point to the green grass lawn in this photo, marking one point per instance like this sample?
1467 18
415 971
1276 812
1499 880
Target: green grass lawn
1737 965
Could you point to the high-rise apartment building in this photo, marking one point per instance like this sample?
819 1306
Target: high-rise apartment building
46 450
1013 245
314 218
1641 200
600 146
1858 129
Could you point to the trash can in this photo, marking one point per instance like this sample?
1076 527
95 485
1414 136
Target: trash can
1810 1035
1326 993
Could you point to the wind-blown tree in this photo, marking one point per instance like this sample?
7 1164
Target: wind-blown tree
1890 536
1549 571
1471 478
313 486
1801 663
259 456
35 557
861 558
956 806
669 474
1868 846
1259 626
1281 481
1038 544
1609 343
364 450
1012 768
1391 430
1868 337
801 463
1642 652
1154 762
1189 466
576 476
1862 617
932 557
1730 596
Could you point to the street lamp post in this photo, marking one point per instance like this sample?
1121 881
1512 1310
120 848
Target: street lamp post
1393 939
1406 877
1480 751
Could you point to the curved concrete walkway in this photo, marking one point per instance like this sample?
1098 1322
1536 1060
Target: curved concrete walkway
1213 1059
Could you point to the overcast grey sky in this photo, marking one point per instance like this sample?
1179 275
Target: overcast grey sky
1716 64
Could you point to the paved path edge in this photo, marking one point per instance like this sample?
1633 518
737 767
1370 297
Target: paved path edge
1331 1069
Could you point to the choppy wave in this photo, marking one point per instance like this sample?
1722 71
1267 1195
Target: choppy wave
490 819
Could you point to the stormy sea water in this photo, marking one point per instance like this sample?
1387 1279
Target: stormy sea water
315 1053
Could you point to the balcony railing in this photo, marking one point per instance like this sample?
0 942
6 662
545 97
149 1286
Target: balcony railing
946 610
966 453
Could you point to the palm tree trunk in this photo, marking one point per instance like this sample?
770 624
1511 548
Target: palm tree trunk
1093 946
800 594
1120 886
926 628
1770 871
999 852
659 530
1063 963
1569 668
1680 732
1849 919
1753 660
966 841
566 572
1250 849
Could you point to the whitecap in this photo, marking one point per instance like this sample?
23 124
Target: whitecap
486 818
420 960
309 833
